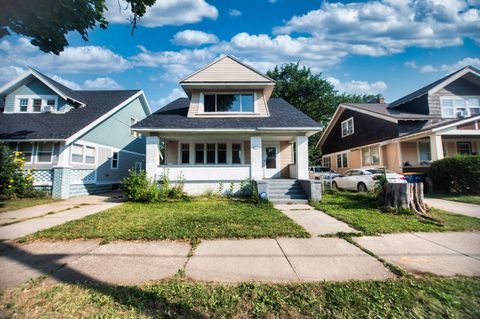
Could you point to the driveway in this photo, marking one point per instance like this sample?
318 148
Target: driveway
466 209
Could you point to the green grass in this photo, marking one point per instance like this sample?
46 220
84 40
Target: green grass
360 210
14 204
470 199
196 219
430 297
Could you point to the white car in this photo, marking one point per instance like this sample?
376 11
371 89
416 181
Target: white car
363 180
322 172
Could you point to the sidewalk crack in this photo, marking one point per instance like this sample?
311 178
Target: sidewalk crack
288 260
433 242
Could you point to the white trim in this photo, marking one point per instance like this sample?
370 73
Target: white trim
104 117
51 154
347 121
30 98
201 106
452 79
116 149
117 159
83 162
341 154
473 118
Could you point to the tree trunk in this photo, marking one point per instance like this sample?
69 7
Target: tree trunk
408 196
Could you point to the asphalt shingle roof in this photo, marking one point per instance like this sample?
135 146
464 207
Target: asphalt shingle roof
382 108
174 115
62 125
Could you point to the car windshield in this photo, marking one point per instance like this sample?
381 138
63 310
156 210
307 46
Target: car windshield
321 169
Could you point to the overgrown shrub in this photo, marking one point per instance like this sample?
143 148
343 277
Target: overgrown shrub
460 174
139 188
15 181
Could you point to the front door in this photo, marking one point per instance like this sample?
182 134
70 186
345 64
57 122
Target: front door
271 162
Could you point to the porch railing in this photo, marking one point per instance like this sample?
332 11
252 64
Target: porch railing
198 173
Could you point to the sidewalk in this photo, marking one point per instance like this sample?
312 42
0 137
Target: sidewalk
49 215
466 209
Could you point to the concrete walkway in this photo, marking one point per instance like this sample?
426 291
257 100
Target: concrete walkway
42 219
315 222
454 207
446 254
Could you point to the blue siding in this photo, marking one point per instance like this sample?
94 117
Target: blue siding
126 161
115 131
34 87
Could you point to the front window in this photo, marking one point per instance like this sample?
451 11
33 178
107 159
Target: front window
44 152
327 162
342 160
37 105
455 106
370 156
424 153
210 153
228 103
199 153
26 150
83 154
347 127
464 148
222 153
236 149
185 153
23 105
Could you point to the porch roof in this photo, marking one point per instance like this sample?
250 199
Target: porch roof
282 116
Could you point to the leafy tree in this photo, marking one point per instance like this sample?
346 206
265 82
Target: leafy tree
47 22
313 95
14 181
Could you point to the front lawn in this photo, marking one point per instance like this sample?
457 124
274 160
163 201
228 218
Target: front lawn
430 297
14 204
196 219
360 210
470 199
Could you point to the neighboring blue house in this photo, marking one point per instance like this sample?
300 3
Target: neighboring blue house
77 142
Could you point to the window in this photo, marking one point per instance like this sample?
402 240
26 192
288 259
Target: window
424 154
83 154
236 149
370 156
464 148
210 153
51 104
114 160
23 105
133 121
294 150
454 106
138 166
327 162
185 153
44 152
347 127
222 153
228 103
342 160
26 150
199 150
37 105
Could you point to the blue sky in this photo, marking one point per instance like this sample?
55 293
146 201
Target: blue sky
390 47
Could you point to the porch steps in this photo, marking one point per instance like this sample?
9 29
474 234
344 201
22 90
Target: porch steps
284 191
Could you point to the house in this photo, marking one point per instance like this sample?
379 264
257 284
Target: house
227 130
439 120
77 142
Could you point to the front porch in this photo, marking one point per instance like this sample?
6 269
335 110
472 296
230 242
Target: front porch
214 162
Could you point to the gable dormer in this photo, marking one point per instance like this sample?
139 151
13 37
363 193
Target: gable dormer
228 88
453 96
33 92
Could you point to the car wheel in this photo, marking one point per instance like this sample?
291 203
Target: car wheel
334 186
362 188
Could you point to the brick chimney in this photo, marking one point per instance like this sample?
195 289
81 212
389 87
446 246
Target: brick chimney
381 99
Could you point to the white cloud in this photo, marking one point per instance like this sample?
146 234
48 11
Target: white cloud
411 64
234 13
172 96
103 83
8 73
272 1
385 27
449 68
163 12
70 84
22 45
193 38
358 87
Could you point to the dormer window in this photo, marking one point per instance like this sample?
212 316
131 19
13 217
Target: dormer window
236 103
36 104
460 106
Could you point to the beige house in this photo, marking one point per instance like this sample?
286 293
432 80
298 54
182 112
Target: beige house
439 120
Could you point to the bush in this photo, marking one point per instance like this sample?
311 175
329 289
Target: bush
139 188
15 181
459 174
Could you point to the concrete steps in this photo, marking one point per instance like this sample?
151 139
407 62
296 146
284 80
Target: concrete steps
286 191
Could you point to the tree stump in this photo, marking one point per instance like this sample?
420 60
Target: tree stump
407 196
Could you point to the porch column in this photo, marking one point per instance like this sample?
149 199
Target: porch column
256 167
61 173
152 156
302 157
436 147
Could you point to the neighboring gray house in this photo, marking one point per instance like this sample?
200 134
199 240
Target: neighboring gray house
439 120
77 142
